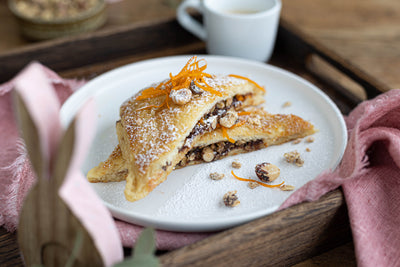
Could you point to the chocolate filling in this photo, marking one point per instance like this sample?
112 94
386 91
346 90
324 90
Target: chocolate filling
206 124
221 149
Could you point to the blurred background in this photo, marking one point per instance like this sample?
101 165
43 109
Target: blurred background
365 32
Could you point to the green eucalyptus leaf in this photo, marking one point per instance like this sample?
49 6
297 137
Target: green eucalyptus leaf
146 243
75 250
143 253
147 260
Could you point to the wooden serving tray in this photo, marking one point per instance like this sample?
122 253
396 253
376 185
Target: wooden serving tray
282 238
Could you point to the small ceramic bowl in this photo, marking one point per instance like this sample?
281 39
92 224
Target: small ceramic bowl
37 28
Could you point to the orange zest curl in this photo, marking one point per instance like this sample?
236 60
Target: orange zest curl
225 132
258 182
243 113
249 80
193 71
208 89
238 124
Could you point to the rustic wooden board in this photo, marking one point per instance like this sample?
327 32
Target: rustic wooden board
366 32
73 52
282 238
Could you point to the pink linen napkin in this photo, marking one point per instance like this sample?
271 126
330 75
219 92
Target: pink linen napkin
370 177
17 177
43 105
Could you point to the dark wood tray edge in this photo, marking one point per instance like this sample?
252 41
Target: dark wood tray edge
83 50
285 237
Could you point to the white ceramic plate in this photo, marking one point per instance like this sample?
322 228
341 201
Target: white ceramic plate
189 200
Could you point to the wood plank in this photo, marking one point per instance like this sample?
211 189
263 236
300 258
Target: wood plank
363 31
96 47
9 250
339 256
286 237
119 13
283 238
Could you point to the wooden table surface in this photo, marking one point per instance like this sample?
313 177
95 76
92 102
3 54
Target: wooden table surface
364 32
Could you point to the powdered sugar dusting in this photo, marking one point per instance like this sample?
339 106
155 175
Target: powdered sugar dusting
150 128
189 200
221 80
153 129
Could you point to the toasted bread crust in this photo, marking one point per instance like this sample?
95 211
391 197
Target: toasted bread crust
151 139
258 126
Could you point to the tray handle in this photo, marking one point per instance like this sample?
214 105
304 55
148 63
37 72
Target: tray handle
325 64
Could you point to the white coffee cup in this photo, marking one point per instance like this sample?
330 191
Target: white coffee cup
239 28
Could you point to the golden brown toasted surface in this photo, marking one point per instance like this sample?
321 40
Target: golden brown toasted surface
151 138
152 132
256 130
161 124
112 170
258 125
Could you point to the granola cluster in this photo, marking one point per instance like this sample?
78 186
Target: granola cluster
216 176
253 185
266 172
53 9
231 199
294 157
236 164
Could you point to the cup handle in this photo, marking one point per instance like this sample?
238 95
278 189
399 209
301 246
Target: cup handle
188 22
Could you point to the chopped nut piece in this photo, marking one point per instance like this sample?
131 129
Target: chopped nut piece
212 110
181 96
195 89
236 164
297 141
228 119
240 142
220 148
294 157
253 185
231 199
207 154
287 104
192 156
221 105
286 187
183 162
228 102
308 149
310 139
213 121
267 172
216 176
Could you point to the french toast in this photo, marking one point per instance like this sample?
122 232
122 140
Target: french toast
154 140
162 128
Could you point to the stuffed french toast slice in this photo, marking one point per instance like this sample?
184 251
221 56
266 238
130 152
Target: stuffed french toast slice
192 117
154 134
114 169
254 129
